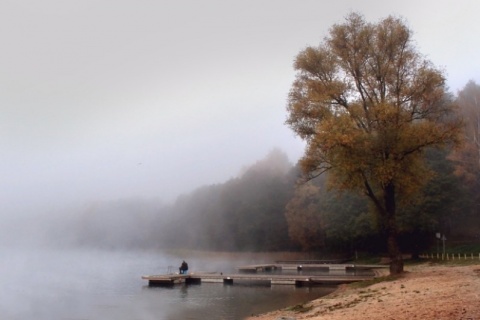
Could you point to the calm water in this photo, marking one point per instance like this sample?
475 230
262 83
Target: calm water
81 284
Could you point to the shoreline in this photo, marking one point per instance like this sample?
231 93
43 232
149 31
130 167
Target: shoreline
425 291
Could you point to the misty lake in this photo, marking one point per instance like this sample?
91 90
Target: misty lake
95 284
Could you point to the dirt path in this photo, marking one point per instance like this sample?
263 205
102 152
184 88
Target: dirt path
424 292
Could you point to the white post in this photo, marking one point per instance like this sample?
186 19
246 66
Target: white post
443 241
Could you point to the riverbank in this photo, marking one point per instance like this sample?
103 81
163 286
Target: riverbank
424 291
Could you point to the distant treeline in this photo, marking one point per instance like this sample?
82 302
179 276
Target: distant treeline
270 208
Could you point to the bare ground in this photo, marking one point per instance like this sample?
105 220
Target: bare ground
423 292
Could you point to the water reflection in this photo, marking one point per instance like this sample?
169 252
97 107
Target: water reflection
218 301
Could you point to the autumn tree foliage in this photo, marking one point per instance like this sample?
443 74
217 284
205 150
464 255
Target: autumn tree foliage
368 105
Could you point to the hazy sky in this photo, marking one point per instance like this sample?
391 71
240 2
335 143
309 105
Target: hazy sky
104 99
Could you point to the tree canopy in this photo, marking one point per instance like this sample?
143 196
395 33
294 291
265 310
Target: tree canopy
368 105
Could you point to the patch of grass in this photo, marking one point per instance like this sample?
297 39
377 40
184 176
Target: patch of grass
364 294
368 283
348 304
413 262
368 260
456 262
337 306
459 247
467 248
300 308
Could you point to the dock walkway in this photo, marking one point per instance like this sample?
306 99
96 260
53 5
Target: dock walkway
260 273
272 279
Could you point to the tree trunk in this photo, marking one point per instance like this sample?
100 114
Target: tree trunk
396 260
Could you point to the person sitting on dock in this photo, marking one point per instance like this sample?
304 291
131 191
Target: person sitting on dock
183 268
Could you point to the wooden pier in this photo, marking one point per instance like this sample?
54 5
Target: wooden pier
261 273
269 279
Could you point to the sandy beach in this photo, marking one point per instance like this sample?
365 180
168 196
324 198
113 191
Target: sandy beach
423 292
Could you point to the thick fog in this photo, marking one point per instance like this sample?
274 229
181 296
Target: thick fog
107 101
110 110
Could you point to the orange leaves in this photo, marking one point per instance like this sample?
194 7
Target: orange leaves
338 131
368 105
316 62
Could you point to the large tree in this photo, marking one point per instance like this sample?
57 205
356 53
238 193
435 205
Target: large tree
368 104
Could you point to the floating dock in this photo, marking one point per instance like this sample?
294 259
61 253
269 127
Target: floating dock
260 274
273 279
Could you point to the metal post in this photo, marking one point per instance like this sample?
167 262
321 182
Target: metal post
443 240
